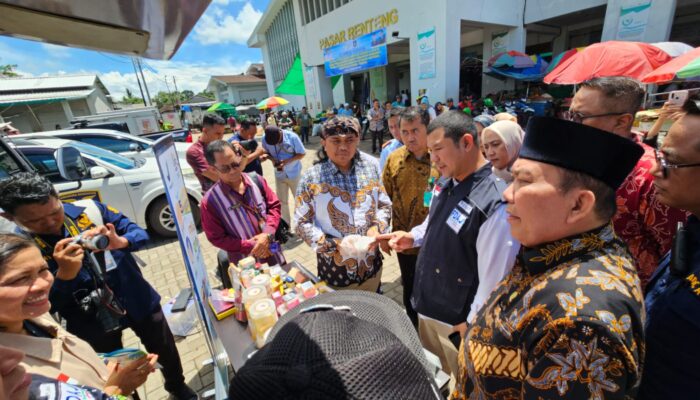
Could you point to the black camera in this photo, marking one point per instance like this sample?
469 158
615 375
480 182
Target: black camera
250 145
98 303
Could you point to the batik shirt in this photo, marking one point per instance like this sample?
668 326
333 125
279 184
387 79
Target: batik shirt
332 204
567 322
642 221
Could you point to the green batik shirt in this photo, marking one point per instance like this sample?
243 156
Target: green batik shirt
567 322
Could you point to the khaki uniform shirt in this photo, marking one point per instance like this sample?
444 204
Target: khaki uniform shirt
405 179
66 354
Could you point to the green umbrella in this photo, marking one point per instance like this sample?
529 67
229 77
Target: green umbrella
221 107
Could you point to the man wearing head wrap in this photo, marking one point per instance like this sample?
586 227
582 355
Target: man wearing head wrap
567 321
341 195
501 142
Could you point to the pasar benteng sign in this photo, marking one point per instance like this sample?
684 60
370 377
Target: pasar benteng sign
363 28
365 52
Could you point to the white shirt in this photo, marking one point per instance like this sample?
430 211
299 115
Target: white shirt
496 250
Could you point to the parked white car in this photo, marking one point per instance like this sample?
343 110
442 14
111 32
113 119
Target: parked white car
119 142
132 185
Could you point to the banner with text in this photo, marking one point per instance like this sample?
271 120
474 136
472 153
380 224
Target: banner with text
634 17
426 54
365 52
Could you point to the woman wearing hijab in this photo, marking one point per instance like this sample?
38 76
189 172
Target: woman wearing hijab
501 142
482 121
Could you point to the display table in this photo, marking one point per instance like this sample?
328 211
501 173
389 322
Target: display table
234 335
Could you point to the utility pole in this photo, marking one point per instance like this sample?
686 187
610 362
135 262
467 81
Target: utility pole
138 61
136 72
177 93
172 99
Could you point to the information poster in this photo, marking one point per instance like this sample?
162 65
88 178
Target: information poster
634 16
365 52
499 43
426 54
176 193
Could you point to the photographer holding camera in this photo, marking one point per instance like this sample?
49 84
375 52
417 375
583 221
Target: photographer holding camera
253 152
285 150
98 292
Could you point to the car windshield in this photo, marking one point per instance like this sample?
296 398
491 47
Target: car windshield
106 155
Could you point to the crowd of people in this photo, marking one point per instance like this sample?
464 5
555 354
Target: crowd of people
559 260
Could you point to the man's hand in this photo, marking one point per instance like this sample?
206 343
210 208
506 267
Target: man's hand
124 379
399 240
373 232
116 242
461 328
263 157
261 249
69 257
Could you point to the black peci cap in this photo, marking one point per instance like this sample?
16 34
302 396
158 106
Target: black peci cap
581 148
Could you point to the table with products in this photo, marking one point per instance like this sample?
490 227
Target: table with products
236 336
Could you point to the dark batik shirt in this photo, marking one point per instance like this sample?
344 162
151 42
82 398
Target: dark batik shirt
567 322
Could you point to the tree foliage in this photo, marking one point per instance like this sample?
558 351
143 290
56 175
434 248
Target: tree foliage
8 70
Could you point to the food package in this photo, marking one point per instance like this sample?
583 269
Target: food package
355 246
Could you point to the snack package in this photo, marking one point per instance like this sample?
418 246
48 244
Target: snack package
124 356
355 246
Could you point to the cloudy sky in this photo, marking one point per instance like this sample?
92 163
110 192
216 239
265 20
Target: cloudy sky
216 46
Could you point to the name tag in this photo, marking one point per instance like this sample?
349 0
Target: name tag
110 264
456 220
466 207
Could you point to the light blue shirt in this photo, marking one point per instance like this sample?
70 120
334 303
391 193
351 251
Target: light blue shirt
289 147
345 112
393 145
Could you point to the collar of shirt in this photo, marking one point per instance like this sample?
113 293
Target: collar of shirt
540 258
356 162
72 211
425 159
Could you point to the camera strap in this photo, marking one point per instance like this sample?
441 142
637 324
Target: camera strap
73 228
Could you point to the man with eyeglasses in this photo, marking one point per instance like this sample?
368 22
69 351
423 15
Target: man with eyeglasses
240 213
642 221
673 294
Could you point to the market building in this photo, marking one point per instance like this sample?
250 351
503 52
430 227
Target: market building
45 103
440 48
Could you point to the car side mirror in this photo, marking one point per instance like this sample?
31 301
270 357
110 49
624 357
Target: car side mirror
99 173
70 163
135 147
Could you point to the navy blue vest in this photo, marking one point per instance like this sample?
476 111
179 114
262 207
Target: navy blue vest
446 272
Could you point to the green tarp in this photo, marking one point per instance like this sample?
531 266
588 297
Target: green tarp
293 83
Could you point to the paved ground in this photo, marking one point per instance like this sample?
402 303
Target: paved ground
166 272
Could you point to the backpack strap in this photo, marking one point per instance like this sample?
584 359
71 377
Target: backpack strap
256 178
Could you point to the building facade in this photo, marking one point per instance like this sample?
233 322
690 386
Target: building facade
466 34
48 103
247 88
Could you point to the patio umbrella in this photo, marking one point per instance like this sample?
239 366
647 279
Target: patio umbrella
511 59
613 58
683 67
221 107
271 102
561 57
673 49
528 74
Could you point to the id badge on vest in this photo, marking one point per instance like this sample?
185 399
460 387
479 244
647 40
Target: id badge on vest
110 264
456 219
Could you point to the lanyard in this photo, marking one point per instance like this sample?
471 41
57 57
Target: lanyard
236 203
72 229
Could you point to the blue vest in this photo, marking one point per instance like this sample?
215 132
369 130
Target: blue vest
446 272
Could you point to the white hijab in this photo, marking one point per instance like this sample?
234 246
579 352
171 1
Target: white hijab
512 136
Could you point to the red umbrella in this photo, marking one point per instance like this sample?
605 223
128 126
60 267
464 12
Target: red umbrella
613 58
668 71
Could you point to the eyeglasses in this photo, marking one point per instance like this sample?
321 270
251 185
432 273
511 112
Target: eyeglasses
665 165
227 168
579 118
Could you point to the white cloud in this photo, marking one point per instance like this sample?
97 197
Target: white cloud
217 27
55 51
225 2
189 76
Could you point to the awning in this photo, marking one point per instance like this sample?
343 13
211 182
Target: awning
293 83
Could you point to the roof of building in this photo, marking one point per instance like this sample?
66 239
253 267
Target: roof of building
49 82
43 97
257 69
234 79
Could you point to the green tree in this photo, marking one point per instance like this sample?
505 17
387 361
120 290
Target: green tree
206 93
186 95
8 71
129 98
